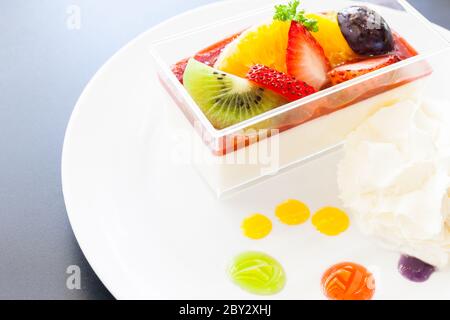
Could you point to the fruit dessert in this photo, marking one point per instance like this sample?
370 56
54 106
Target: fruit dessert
293 56
287 86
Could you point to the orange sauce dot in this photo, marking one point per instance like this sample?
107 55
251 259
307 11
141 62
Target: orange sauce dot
348 281
292 212
256 226
331 221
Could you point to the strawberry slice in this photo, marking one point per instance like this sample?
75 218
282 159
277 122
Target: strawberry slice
352 70
283 84
305 58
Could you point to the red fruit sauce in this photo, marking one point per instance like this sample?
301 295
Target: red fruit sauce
207 56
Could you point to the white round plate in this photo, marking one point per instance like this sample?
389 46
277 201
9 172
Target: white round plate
152 229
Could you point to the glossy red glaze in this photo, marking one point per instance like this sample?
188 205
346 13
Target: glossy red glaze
207 56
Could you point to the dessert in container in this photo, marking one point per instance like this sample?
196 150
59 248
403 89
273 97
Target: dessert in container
237 156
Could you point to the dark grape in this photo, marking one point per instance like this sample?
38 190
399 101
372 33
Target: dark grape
366 32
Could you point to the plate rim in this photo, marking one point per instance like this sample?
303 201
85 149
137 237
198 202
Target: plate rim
74 115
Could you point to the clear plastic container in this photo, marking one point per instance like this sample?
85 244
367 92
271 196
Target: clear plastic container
240 155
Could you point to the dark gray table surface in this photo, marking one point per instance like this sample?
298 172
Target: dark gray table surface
44 67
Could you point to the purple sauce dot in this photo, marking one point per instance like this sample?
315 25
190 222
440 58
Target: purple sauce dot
414 269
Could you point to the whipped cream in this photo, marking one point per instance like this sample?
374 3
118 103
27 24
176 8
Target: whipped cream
395 178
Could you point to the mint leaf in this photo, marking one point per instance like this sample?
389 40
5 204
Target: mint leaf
290 12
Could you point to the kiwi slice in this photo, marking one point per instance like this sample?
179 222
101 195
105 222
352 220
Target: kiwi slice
224 98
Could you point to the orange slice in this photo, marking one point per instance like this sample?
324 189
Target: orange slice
265 44
331 39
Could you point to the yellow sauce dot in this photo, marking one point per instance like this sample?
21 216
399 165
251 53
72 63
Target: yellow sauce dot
331 221
256 226
292 212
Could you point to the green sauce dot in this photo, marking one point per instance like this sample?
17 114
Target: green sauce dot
257 273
